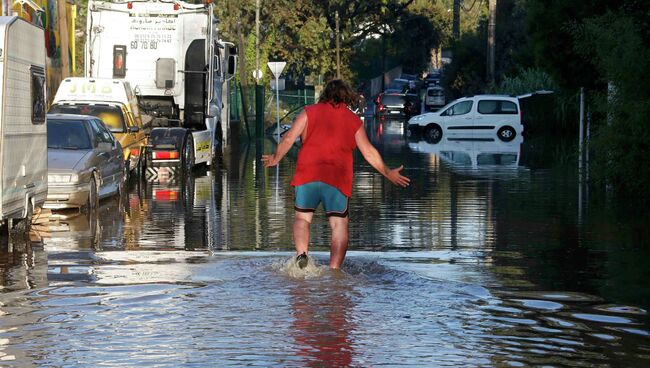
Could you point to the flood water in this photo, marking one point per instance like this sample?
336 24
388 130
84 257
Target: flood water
494 256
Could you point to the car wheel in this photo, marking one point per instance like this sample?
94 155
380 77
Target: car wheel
93 196
433 133
188 154
506 133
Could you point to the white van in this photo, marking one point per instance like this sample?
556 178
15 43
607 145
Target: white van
478 117
434 99
23 132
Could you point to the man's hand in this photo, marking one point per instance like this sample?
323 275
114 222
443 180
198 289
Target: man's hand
396 178
269 160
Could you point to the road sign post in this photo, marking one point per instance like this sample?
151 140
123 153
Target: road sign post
276 68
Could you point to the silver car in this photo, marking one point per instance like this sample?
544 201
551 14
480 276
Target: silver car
84 162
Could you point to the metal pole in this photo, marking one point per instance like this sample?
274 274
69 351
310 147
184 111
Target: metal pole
338 56
257 41
582 129
491 36
277 103
455 30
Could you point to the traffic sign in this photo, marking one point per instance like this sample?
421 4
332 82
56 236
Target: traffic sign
277 67
258 74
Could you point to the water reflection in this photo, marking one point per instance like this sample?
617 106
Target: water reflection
323 326
487 158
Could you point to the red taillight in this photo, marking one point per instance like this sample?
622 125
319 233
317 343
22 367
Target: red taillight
164 155
176 6
165 195
135 152
381 107
129 5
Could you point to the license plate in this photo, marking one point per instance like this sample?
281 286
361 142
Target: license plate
394 112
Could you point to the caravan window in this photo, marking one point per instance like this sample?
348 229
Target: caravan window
38 95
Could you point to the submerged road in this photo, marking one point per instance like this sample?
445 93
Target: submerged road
494 256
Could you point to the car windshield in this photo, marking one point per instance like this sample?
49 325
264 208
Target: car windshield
67 134
111 115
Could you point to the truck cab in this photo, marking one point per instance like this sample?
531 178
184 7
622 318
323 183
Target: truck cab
113 101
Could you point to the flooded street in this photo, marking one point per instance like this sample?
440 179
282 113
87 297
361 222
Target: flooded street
494 256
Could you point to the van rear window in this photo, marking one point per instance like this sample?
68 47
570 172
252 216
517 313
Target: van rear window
111 115
488 107
435 93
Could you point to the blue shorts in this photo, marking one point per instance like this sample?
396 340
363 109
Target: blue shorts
310 195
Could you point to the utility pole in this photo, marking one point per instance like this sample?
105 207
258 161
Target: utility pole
257 41
338 56
491 37
455 30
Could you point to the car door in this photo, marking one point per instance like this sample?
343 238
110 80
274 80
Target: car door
457 119
116 156
106 160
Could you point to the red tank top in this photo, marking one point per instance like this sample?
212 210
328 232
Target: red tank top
327 146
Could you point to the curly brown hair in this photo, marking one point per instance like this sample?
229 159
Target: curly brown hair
337 91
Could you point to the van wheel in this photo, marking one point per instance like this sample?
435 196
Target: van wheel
188 154
433 133
506 133
93 196
141 166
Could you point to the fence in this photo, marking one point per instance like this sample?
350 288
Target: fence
291 103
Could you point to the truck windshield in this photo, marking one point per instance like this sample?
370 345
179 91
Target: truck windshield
111 115
67 134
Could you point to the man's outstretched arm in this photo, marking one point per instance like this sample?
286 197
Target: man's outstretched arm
373 157
299 124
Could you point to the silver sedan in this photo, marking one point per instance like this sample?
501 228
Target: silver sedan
84 162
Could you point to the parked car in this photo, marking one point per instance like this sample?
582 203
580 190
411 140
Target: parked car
85 162
113 101
432 79
479 117
434 98
398 105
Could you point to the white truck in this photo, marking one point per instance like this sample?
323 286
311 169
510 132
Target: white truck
23 130
170 53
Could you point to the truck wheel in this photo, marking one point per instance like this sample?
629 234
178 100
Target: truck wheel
141 168
188 154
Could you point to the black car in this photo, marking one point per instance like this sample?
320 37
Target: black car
398 105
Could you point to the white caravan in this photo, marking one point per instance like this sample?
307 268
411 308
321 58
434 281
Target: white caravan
170 53
23 132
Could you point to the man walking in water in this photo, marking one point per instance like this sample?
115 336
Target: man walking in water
329 133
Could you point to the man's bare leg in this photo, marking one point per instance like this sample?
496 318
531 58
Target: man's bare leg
301 223
339 226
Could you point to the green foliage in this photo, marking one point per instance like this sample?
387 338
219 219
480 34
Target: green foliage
620 54
527 80
466 73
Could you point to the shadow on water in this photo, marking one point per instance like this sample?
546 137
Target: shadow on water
489 258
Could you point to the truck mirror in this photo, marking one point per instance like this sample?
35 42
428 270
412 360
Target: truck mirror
232 64
134 129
